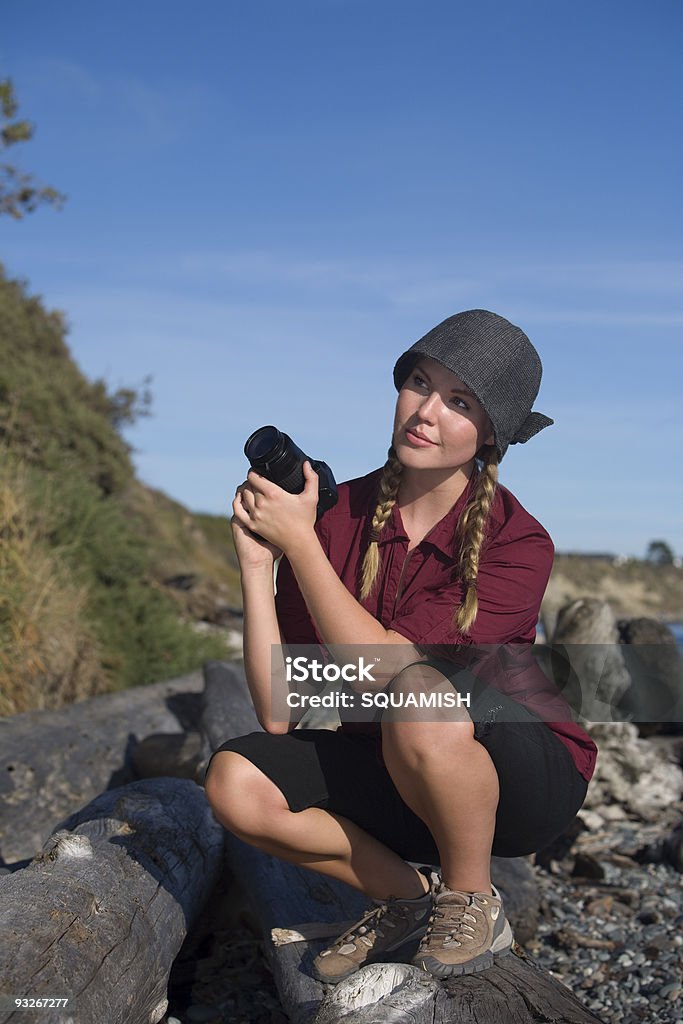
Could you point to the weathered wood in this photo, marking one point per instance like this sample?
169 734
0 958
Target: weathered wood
283 896
515 991
172 754
287 899
100 915
227 709
52 762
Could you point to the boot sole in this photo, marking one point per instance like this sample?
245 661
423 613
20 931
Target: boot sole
483 962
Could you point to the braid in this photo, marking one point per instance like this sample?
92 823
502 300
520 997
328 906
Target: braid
386 499
472 531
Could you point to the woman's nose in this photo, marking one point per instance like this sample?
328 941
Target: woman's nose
428 409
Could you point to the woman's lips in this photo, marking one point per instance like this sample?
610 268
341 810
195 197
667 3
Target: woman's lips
418 441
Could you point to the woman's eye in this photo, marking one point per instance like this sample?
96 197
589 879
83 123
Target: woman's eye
460 403
418 380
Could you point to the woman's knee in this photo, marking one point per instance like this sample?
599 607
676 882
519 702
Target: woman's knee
425 715
418 744
242 798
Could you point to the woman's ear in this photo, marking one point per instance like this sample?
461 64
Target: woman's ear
488 431
486 449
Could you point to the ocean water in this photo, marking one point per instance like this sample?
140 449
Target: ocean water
677 630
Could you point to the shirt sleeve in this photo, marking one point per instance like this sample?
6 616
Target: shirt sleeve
296 625
512 578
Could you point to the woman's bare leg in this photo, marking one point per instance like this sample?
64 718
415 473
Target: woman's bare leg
248 804
446 777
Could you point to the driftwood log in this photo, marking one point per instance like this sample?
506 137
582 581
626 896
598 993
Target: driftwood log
53 762
299 910
99 916
516 991
227 709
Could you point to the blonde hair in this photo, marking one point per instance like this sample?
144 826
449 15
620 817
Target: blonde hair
386 499
471 531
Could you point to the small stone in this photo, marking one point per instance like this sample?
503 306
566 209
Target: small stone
671 991
613 812
592 819
649 917
659 942
601 906
587 866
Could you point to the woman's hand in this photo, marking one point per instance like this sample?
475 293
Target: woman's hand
252 551
281 520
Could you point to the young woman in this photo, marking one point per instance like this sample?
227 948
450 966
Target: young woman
441 567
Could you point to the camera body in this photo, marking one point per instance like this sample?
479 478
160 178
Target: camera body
274 455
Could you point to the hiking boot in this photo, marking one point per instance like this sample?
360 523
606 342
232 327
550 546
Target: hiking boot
378 936
467 931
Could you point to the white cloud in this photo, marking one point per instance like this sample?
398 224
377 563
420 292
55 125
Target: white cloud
116 102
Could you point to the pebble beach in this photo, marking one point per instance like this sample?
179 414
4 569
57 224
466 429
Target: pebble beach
616 940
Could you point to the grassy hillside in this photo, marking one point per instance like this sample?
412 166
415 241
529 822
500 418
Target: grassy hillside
90 559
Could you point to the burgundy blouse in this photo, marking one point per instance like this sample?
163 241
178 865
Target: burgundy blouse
418 599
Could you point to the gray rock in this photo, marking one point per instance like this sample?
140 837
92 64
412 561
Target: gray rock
596 677
631 773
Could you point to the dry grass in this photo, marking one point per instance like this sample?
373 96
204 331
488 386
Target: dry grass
633 589
48 656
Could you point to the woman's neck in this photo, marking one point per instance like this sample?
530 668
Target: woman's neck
424 497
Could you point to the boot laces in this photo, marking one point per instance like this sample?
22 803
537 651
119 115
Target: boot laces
369 925
459 922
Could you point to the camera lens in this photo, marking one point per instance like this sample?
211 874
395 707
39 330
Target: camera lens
263 445
274 454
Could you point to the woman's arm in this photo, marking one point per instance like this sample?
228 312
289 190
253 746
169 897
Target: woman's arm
287 521
263 660
263 651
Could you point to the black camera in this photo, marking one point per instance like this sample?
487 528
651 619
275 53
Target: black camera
275 456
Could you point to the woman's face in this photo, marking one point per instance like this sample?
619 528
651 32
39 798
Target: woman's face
439 424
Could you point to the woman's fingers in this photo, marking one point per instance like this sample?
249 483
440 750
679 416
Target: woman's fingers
246 496
240 510
311 480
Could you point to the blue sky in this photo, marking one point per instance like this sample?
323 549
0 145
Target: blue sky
270 201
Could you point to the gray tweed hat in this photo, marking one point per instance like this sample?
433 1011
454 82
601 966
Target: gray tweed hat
498 364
